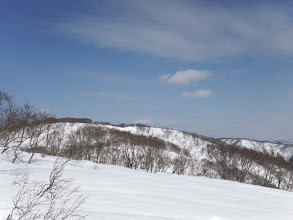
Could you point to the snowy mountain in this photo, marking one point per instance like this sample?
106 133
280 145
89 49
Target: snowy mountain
197 143
117 193
160 150
193 143
283 149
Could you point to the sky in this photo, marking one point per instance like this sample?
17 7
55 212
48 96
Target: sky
217 68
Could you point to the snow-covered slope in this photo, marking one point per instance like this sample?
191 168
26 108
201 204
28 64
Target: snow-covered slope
164 150
121 193
275 149
192 143
195 144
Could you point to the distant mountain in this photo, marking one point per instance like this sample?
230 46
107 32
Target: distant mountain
287 141
273 148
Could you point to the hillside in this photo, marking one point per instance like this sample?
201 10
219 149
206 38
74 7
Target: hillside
121 193
152 150
195 144
283 149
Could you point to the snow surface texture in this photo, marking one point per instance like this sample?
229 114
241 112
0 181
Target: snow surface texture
125 194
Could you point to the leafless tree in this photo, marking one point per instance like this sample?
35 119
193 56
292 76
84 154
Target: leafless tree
55 200
54 138
26 116
288 180
181 164
9 119
36 134
279 175
14 123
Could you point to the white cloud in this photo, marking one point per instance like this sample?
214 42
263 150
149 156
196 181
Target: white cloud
187 30
110 95
165 77
185 76
197 94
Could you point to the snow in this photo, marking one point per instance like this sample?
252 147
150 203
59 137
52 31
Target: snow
284 150
195 145
121 193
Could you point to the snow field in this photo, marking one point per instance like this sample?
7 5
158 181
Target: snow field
121 193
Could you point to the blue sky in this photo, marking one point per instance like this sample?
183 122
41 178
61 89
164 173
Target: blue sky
218 68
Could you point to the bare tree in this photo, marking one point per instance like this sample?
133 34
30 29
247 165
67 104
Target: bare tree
180 164
14 122
26 116
35 132
55 200
280 175
9 119
288 181
54 138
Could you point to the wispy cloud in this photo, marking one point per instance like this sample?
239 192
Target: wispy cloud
104 95
197 94
185 76
188 30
